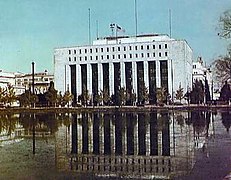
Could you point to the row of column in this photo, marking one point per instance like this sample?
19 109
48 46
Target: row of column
111 76
120 135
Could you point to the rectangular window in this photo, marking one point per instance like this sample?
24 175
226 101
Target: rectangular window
118 56
135 47
102 57
147 47
141 47
107 56
69 51
80 58
130 55
118 48
90 57
159 46
74 51
166 53
101 49
136 55
113 56
90 50
160 54
154 47
85 50
96 50
85 58
124 48
80 51
166 46
124 56
148 55
96 57
69 58
154 54
142 55
113 49
130 48
107 49
74 58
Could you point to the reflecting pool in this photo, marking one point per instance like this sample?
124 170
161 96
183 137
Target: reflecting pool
143 145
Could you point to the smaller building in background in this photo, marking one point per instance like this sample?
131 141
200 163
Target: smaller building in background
202 73
41 80
7 78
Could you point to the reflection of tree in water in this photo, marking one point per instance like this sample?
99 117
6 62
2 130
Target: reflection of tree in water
131 123
8 123
43 122
226 119
201 121
180 119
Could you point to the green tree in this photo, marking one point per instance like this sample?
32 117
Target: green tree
67 97
51 95
225 24
179 93
161 95
105 96
9 95
197 94
27 98
122 96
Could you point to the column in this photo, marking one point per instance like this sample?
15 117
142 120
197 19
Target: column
158 81
146 78
134 77
111 79
100 77
89 79
78 79
122 74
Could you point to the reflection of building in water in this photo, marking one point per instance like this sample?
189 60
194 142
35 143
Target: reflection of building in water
126 144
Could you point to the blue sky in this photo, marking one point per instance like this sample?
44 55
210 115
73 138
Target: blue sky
31 29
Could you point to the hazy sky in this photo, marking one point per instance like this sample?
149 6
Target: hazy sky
31 29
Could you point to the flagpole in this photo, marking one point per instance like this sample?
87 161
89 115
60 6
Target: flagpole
170 23
136 17
89 25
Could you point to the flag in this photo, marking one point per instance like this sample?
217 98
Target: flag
119 29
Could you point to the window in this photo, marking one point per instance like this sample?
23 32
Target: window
154 47
69 51
124 56
130 55
85 58
148 55
159 54
107 56
80 51
130 48
118 56
154 54
101 49
141 47
90 57
85 50
107 49
136 55
90 50
147 47
113 49
74 58
118 48
96 57
142 55
166 53
159 46
113 56
80 58
135 47
124 48
96 50
166 46
69 58
102 57
74 51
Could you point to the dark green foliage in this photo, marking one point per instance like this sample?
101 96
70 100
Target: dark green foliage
197 93
225 92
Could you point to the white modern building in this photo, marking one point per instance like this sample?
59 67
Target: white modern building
110 63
